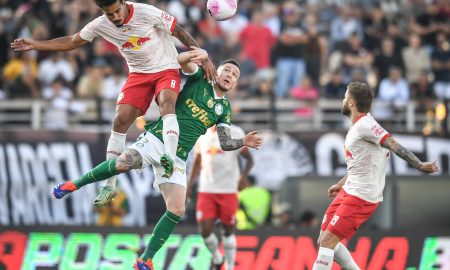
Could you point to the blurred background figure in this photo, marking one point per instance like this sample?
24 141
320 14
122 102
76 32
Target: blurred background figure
113 213
254 206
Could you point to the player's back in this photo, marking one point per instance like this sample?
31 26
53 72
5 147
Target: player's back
366 159
220 169
198 108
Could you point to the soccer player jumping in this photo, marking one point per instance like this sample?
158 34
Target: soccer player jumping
200 106
359 193
143 35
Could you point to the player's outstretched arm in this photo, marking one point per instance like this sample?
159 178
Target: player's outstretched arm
188 59
66 43
428 167
188 41
252 139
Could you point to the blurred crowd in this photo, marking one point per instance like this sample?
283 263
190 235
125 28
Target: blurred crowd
305 49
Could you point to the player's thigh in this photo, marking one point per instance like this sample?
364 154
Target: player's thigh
167 80
329 213
207 208
179 172
148 146
228 206
350 215
138 91
329 239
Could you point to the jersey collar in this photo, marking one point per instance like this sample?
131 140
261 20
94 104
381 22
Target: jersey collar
215 94
357 119
127 20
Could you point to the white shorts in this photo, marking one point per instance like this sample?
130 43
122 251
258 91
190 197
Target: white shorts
151 148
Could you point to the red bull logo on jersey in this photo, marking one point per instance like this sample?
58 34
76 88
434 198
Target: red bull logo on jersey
213 151
135 43
348 154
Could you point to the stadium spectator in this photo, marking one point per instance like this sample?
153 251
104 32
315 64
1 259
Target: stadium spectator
386 59
55 66
356 57
309 220
59 96
20 74
395 91
315 50
290 63
344 26
91 83
416 58
335 88
441 67
254 206
257 41
113 213
306 92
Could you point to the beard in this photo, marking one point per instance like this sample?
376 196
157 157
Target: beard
346 110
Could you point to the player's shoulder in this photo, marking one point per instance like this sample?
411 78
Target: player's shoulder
146 9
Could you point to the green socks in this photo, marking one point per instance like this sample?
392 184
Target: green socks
103 171
161 233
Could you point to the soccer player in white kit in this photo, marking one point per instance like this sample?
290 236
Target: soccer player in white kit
220 180
367 150
143 35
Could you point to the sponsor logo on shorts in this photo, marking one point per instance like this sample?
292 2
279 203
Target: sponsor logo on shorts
178 170
322 262
334 220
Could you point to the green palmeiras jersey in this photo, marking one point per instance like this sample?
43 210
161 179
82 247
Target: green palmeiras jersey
198 108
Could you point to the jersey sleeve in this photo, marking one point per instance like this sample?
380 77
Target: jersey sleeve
196 75
89 32
161 19
225 119
373 132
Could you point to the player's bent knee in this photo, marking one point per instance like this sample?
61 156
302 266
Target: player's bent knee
179 211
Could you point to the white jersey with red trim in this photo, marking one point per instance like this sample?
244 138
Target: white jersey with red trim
366 159
144 40
220 170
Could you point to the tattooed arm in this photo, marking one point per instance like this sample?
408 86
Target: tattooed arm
184 37
226 142
252 139
189 41
402 152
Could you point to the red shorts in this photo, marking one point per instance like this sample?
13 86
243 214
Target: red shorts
346 214
141 87
222 206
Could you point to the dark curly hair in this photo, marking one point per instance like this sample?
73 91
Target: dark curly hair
105 3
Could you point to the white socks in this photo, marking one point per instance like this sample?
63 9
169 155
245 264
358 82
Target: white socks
229 248
116 145
324 259
343 258
212 243
170 133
